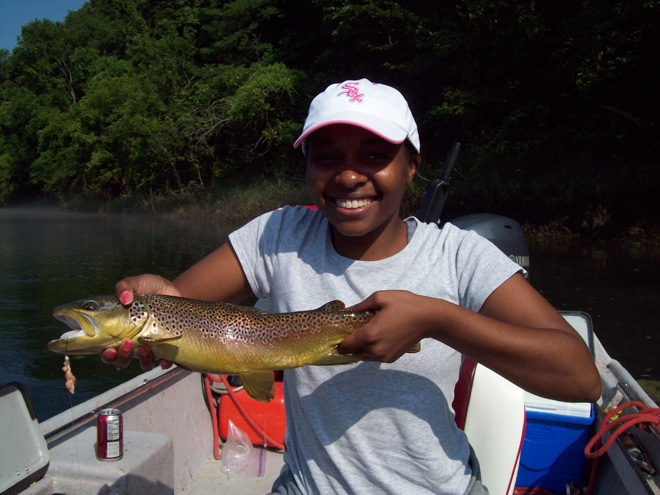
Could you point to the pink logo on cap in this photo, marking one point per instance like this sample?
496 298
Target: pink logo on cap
352 91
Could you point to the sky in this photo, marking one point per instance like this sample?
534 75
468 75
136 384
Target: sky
16 13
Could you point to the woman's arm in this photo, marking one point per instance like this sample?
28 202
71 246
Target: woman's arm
517 334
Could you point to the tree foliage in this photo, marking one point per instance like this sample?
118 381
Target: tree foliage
137 96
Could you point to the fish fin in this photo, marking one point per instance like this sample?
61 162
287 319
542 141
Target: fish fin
156 340
252 310
334 358
259 385
416 348
332 306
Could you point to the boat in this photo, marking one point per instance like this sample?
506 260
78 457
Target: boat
194 434
170 446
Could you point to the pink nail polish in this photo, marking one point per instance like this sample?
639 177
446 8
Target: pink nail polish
127 345
109 355
125 298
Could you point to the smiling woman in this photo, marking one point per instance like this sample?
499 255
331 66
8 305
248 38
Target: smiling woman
358 138
449 287
357 180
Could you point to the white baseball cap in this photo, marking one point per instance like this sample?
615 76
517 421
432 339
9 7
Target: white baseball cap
378 108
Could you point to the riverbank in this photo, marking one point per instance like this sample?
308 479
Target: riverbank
235 205
229 205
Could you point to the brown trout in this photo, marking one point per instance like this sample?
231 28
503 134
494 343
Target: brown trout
212 337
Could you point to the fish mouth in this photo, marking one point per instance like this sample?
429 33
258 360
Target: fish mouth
79 324
78 339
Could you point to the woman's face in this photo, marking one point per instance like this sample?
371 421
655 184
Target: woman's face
357 179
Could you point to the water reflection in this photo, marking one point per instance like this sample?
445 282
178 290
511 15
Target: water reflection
617 287
49 257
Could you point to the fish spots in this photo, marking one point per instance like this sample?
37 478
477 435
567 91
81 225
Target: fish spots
234 326
138 312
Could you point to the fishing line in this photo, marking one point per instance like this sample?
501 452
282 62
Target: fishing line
262 452
75 427
75 441
265 414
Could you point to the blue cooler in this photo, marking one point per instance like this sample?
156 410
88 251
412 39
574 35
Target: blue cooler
555 437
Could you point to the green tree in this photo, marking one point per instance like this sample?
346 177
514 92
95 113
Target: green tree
233 31
140 97
250 127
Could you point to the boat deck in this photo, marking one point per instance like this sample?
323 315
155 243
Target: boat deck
211 479
168 448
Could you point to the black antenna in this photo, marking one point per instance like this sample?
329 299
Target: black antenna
435 196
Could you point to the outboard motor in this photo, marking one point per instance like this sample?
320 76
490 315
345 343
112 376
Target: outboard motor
505 233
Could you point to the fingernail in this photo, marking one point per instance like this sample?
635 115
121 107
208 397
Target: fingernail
127 345
142 351
125 298
109 355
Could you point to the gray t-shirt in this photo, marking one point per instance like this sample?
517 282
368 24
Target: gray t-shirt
371 427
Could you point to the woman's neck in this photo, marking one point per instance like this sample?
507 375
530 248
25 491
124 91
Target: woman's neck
373 246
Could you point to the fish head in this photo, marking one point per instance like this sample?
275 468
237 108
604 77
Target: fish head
96 324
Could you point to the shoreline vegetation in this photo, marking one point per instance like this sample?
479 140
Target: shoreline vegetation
235 205
174 106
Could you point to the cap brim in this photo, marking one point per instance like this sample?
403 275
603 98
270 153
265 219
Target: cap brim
381 128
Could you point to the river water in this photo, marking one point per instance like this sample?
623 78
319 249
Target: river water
49 257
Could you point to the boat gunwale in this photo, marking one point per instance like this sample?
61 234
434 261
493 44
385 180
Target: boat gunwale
69 421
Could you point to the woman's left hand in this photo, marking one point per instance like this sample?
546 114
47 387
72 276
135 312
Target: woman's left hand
393 331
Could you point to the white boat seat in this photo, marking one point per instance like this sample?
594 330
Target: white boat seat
491 411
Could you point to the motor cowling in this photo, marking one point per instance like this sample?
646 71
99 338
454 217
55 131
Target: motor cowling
504 232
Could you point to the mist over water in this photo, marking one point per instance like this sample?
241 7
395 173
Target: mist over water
49 257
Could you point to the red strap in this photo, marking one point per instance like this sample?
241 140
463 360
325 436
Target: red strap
463 391
645 416
246 415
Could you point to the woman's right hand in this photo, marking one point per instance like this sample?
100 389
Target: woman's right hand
144 284
121 356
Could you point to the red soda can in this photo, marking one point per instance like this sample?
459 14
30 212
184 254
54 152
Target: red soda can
109 435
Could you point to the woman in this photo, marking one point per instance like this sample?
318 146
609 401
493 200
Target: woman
385 425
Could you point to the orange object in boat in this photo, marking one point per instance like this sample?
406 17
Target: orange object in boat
267 416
